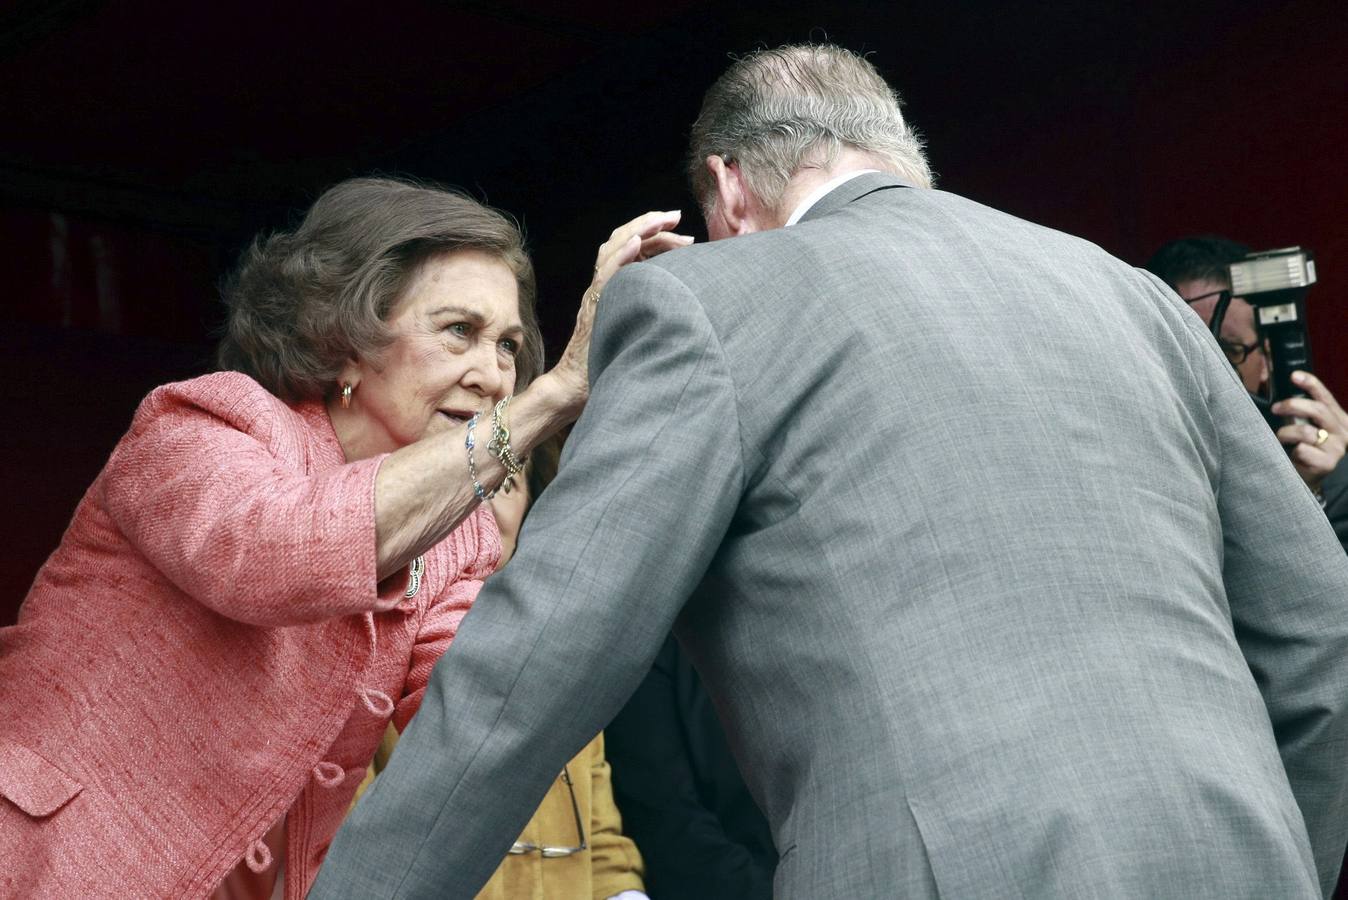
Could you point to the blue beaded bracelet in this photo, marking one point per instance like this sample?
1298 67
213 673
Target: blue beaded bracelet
472 466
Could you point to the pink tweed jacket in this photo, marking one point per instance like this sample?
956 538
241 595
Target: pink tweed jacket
207 651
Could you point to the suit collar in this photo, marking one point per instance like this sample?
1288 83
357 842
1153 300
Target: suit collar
852 190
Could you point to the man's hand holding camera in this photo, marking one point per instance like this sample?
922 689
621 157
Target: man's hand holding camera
1316 445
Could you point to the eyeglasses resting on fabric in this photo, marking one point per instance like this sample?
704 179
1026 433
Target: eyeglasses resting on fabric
521 847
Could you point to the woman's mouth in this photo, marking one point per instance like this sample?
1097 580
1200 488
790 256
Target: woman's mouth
457 416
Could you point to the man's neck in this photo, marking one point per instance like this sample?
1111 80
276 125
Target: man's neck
822 191
805 182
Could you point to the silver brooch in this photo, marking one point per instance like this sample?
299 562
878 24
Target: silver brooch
414 577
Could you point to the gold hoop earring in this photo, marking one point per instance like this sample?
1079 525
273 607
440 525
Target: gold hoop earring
346 395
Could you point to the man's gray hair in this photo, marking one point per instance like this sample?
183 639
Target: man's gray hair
777 111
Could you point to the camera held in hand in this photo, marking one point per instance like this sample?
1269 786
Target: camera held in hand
1275 283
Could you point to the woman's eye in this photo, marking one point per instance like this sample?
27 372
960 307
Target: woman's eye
459 329
510 346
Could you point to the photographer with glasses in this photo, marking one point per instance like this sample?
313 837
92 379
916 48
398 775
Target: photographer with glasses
1196 268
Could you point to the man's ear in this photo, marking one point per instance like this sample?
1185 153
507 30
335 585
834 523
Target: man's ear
732 214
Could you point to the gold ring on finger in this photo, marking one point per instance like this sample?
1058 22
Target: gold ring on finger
1321 436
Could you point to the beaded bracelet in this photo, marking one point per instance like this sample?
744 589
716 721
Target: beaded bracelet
472 466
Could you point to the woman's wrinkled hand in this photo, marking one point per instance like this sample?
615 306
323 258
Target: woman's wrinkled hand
1316 446
645 236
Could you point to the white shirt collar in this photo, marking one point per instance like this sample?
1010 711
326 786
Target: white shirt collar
818 193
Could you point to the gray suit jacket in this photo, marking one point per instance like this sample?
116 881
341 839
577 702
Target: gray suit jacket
997 579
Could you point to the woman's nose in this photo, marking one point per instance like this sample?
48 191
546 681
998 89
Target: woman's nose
484 372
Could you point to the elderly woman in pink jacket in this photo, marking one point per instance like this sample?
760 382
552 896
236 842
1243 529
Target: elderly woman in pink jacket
274 557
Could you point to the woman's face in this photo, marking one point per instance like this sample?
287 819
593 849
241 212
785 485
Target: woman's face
456 332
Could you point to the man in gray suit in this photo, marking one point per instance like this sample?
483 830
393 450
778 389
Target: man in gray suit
996 579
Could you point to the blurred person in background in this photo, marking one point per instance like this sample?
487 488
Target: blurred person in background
1196 268
681 793
574 847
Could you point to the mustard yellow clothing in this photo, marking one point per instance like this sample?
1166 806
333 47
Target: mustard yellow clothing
610 866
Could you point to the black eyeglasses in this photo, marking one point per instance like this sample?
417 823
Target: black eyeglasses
1192 300
519 848
1236 351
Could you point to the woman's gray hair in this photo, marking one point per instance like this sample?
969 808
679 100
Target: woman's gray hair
303 303
776 111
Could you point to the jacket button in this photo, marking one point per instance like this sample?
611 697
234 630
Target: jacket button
377 702
329 774
258 856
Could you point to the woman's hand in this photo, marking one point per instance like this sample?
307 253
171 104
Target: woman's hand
643 237
1317 447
